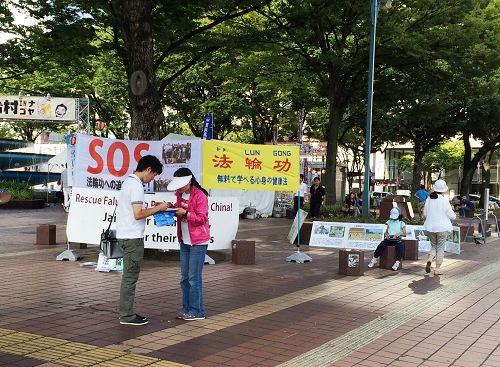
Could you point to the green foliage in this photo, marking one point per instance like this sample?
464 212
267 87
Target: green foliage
18 190
445 157
348 218
405 163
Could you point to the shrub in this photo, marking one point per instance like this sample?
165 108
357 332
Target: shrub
18 190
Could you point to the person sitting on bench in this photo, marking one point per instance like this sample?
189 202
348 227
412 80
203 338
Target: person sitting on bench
467 206
395 229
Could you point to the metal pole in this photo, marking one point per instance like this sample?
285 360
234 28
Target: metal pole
368 139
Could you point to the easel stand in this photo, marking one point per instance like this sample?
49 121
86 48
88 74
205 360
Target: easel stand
298 257
68 254
209 260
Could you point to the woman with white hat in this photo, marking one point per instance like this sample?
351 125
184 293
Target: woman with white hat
438 214
193 232
395 230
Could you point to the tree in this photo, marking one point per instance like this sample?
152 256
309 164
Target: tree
152 39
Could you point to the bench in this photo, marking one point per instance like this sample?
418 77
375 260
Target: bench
388 258
351 262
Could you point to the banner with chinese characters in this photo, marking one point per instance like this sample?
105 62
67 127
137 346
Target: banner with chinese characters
38 108
366 236
102 163
250 166
92 210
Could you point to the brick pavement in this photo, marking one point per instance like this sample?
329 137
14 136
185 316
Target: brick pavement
273 313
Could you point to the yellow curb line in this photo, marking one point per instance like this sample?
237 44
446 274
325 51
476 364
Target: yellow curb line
73 354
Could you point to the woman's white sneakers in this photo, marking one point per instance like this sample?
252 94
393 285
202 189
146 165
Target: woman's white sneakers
373 262
396 265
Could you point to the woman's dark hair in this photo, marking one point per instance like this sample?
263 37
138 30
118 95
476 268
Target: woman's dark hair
434 195
150 161
183 172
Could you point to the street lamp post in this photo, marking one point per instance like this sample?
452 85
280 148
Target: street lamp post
375 6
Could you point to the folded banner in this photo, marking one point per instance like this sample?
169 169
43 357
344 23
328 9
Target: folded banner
250 166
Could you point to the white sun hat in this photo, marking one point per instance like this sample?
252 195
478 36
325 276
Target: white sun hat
440 186
394 214
178 182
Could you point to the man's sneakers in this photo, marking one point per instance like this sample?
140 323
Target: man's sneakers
396 265
373 262
137 321
189 317
180 315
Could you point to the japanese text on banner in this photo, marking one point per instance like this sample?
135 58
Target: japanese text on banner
250 166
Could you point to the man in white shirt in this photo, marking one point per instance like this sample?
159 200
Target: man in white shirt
130 224
298 199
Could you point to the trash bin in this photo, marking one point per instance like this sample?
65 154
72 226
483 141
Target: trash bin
243 252
351 262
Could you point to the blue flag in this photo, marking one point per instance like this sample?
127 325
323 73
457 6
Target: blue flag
208 121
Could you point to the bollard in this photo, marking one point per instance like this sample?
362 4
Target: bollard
351 262
410 250
243 252
388 258
46 234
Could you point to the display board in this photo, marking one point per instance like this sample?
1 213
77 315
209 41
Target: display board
366 236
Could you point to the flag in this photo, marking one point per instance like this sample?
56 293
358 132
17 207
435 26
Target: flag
208 121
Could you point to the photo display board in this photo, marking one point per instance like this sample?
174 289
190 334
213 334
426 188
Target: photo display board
366 236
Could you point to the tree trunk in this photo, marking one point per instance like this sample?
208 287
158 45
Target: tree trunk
417 169
335 117
134 19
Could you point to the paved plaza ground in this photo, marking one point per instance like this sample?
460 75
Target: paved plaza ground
273 313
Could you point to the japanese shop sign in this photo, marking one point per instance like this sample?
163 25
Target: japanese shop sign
250 166
38 108
102 163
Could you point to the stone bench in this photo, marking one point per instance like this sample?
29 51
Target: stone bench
388 258
351 262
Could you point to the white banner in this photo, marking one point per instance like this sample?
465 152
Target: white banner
104 164
38 108
92 210
366 236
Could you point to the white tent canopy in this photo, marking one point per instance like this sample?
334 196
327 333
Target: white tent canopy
59 160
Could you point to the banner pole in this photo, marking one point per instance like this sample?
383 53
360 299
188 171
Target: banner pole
297 256
298 222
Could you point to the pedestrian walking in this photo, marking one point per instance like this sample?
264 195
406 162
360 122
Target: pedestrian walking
130 224
316 198
395 229
421 194
438 214
193 232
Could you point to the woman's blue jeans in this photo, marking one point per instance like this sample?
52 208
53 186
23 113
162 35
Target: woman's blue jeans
192 260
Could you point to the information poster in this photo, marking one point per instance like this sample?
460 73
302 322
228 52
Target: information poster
366 236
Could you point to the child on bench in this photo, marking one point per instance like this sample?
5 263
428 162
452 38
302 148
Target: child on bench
395 229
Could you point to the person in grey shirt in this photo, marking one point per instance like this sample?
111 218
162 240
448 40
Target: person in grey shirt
130 225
